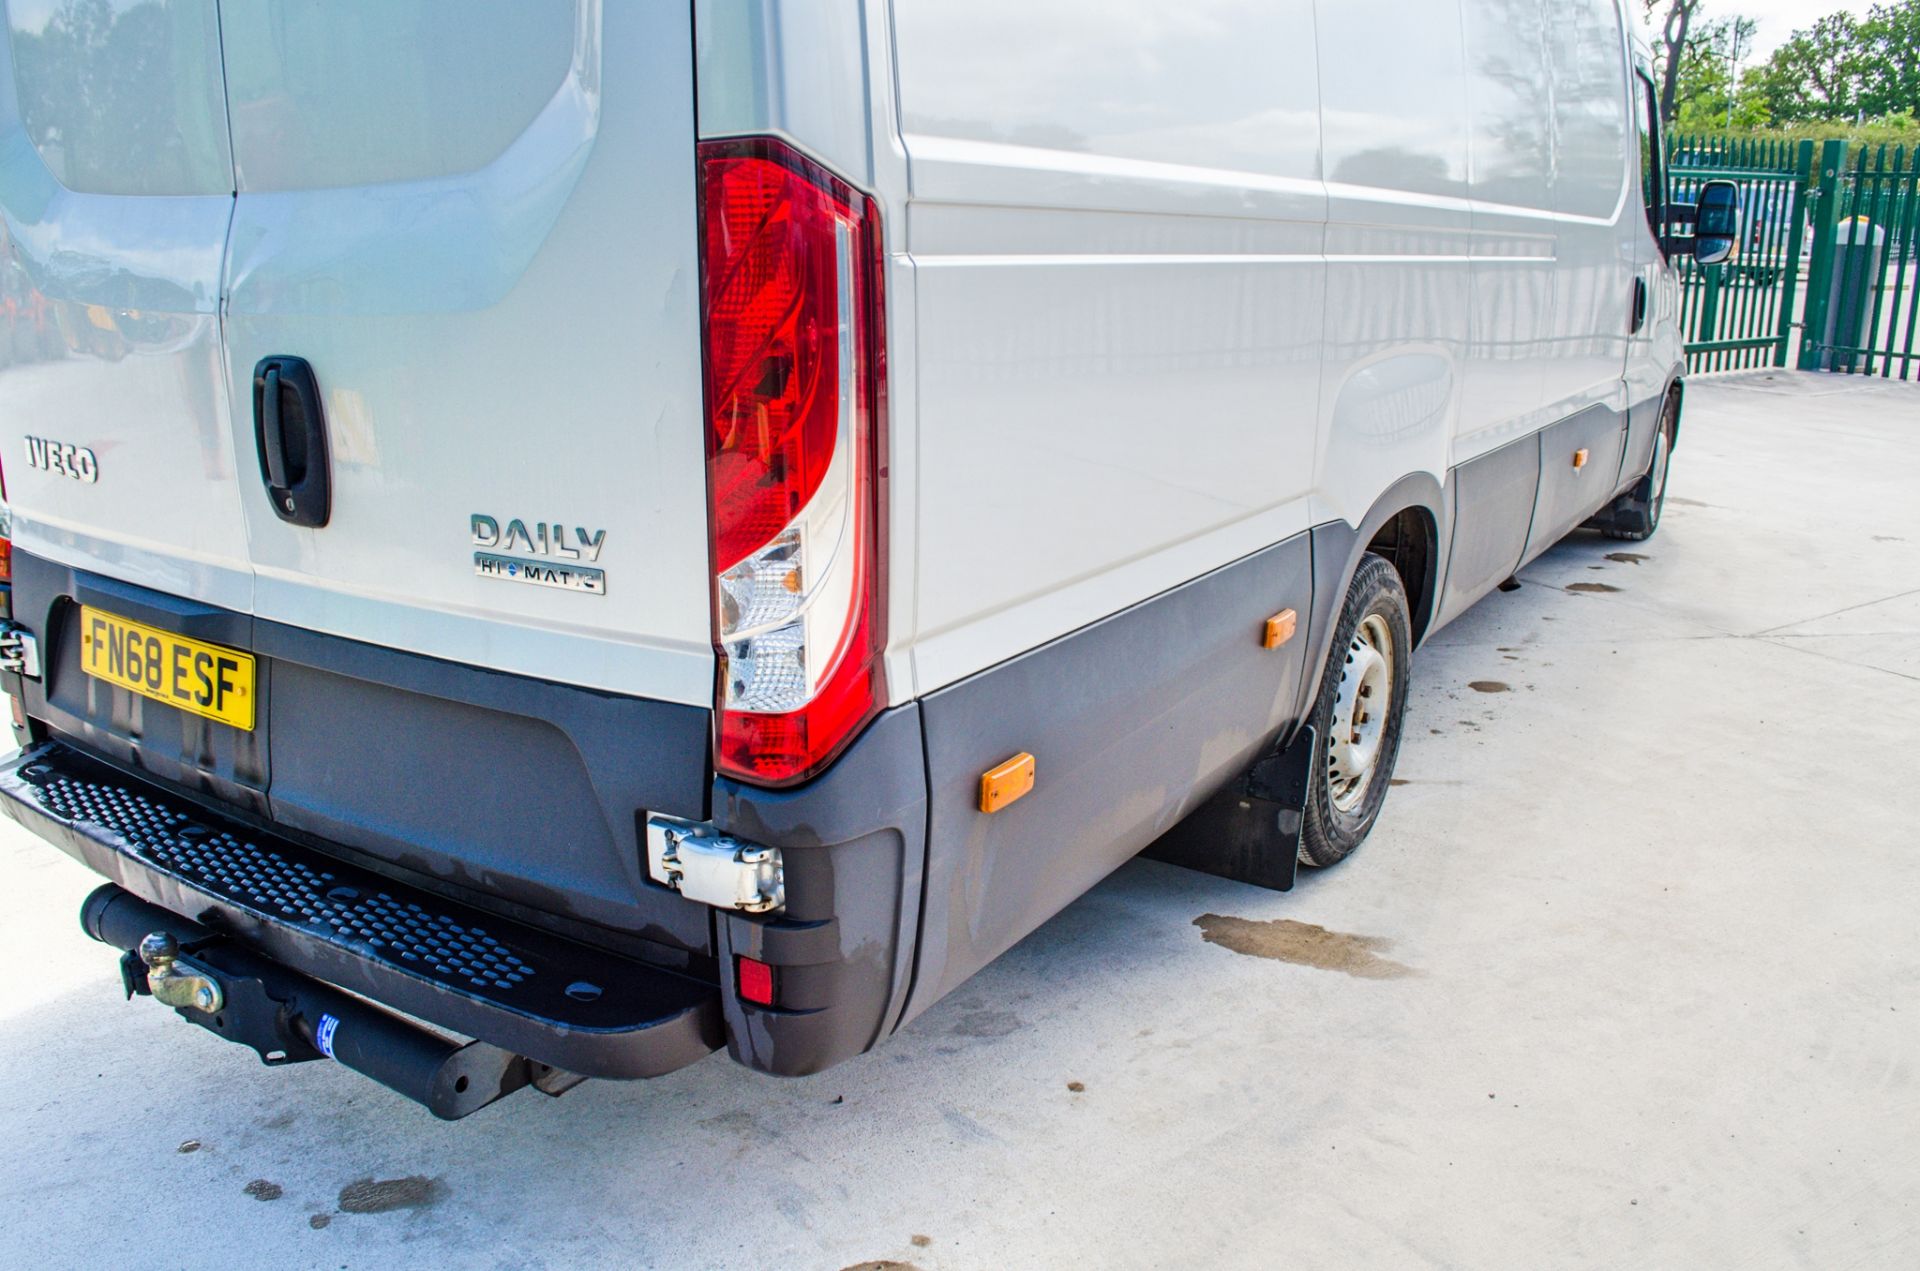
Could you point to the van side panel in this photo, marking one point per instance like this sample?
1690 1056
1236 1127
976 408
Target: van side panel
1118 308
1594 295
1509 96
1399 235
1132 722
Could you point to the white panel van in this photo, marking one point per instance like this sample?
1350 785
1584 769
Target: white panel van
549 537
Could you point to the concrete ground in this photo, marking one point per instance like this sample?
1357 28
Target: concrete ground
1626 978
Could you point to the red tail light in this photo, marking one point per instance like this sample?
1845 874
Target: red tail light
6 533
791 317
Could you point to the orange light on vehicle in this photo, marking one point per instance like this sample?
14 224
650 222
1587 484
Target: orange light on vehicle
1011 781
1579 459
1280 629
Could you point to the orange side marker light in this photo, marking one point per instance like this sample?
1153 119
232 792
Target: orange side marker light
1011 781
1579 459
1280 629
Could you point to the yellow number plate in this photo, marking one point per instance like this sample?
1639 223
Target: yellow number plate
204 679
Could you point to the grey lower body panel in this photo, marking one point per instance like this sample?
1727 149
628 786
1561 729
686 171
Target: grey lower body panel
1572 491
1134 722
1493 511
1514 503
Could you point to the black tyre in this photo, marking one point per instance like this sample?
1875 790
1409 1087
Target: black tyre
1359 714
1635 516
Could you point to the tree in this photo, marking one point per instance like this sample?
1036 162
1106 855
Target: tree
1709 96
1843 68
1673 46
1818 73
1890 73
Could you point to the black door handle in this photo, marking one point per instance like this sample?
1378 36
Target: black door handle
292 437
273 446
1639 305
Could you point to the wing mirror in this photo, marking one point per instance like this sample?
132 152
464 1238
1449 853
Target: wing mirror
1716 224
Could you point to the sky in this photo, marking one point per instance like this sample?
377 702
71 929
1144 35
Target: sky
1779 19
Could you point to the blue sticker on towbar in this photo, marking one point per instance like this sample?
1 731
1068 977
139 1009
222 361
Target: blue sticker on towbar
323 1034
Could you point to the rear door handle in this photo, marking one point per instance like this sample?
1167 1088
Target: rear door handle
1639 305
273 446
292 436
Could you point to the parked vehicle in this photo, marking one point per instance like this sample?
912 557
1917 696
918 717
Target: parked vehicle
619 530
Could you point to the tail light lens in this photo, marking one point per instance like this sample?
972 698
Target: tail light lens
791 316
6 533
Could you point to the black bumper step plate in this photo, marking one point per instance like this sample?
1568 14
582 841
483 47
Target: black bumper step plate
563 1003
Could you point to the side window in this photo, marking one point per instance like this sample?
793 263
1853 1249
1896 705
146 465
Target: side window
1653 175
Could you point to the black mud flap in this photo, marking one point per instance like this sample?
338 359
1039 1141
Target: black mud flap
284 928
1250 831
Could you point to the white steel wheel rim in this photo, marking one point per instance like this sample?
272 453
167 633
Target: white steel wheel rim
1361 709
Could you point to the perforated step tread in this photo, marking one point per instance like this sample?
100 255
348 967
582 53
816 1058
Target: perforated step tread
285 885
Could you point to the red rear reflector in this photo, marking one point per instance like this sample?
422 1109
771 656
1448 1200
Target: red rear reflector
791 320
755 980
6 532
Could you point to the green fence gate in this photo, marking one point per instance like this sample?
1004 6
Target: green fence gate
1743 314
1825 278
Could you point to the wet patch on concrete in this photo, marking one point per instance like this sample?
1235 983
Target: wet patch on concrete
1303 944
1628 558
1676 501
920 1242
966 1127
320 1222
1400 781
1592 588
191 1145
1077 1087
383 1196
1489 686
1888 538
987 1024
280 1120
261 1189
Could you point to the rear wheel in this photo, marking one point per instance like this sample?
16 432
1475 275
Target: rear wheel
1359 714
1635 515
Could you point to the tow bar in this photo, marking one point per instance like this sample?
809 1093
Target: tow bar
288 1018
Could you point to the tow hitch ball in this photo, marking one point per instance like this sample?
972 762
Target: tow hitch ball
287 1017
170 978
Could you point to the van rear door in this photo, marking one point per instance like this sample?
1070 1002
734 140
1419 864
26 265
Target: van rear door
475 222
116 189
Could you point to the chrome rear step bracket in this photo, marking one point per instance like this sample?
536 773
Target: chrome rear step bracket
289 1018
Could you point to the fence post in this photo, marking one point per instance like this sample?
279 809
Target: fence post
1826 229
1796 241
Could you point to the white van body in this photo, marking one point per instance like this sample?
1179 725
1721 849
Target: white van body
1176 315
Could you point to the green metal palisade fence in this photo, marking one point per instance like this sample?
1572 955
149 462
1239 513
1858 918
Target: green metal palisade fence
1874 305
1825 275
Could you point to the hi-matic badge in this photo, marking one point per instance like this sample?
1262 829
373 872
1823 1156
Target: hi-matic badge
559 566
